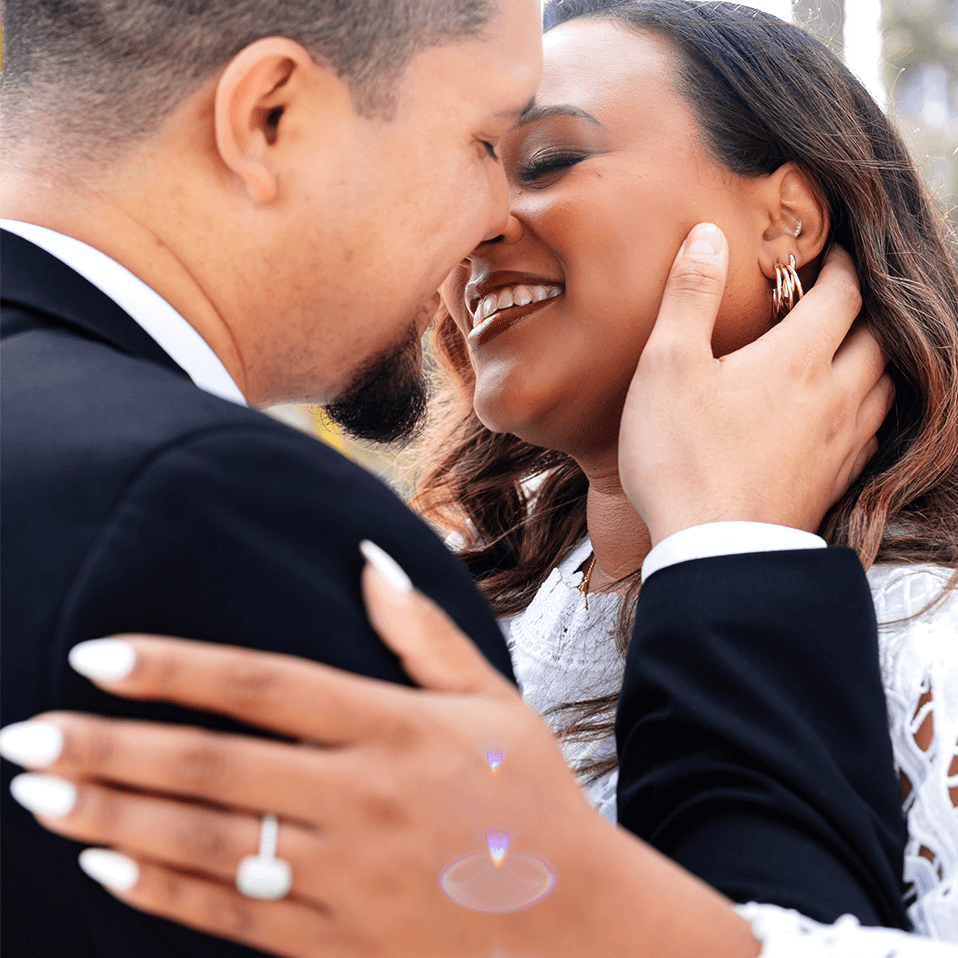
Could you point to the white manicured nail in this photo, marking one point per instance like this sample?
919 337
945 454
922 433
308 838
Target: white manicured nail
386 566
111 869
31 744
44 794
105 659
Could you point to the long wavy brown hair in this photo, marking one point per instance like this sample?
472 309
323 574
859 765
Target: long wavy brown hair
764 93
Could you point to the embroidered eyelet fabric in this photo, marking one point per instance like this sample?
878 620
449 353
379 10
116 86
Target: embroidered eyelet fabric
787 934
563 651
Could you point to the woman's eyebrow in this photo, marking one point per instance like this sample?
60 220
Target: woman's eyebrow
536 113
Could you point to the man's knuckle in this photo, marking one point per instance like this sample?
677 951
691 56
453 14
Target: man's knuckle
696 278
849 293
841 416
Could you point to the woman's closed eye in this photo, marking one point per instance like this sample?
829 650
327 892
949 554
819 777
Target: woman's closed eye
547 163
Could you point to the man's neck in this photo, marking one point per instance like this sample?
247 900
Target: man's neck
110 227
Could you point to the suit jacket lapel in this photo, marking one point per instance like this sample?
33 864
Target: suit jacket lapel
57 295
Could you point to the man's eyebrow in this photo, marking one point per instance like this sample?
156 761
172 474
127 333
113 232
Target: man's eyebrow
533 114
516 111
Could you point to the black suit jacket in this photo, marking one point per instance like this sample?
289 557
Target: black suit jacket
133 501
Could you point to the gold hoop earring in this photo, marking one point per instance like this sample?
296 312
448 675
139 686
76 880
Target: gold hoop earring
788 289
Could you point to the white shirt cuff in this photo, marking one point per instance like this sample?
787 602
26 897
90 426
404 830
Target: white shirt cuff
724 539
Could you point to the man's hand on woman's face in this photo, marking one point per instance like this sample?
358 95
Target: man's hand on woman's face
774 432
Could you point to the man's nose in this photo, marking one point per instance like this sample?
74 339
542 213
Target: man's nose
500 206
510 232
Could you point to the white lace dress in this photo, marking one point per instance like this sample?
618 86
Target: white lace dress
563 651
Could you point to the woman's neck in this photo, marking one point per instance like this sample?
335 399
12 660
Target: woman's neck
619 536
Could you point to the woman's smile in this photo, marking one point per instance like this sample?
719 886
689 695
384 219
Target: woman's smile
501 299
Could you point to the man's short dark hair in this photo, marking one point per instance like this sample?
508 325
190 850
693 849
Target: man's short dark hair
113 70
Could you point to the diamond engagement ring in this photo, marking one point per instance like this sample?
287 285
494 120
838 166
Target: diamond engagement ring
263 875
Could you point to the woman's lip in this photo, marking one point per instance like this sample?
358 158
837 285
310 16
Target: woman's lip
501 321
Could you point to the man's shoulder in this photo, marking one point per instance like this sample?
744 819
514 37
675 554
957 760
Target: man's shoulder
86 426
69 397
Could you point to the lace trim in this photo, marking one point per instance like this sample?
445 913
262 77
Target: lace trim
785 933
919 663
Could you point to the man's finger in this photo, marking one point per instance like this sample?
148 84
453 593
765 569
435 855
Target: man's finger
864 457
434 652
876 406
692 297
823 317
860 360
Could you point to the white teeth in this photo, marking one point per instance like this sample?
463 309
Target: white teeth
522 296
510 296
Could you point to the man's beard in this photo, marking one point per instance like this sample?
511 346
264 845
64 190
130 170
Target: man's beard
388 397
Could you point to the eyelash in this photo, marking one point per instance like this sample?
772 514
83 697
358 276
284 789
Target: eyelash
547 163
491 150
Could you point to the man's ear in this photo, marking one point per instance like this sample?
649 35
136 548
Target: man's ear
267 88
798 221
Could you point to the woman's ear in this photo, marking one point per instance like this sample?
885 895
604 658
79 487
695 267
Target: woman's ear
262 89
798 221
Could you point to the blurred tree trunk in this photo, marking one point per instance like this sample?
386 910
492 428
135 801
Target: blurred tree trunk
921 60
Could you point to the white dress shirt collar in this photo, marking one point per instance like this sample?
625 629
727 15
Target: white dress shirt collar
172 333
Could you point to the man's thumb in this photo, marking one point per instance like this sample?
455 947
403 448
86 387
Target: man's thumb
693 293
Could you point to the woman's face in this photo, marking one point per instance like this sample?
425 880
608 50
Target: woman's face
607 176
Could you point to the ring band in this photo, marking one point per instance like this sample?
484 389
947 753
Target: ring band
263 875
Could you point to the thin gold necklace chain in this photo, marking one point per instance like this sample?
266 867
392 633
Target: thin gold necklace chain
587 576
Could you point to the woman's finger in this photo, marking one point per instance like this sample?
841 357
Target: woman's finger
282 693
186 836
434 652
288 927
249 773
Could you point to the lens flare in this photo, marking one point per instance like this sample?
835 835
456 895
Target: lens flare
496 883
498 842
